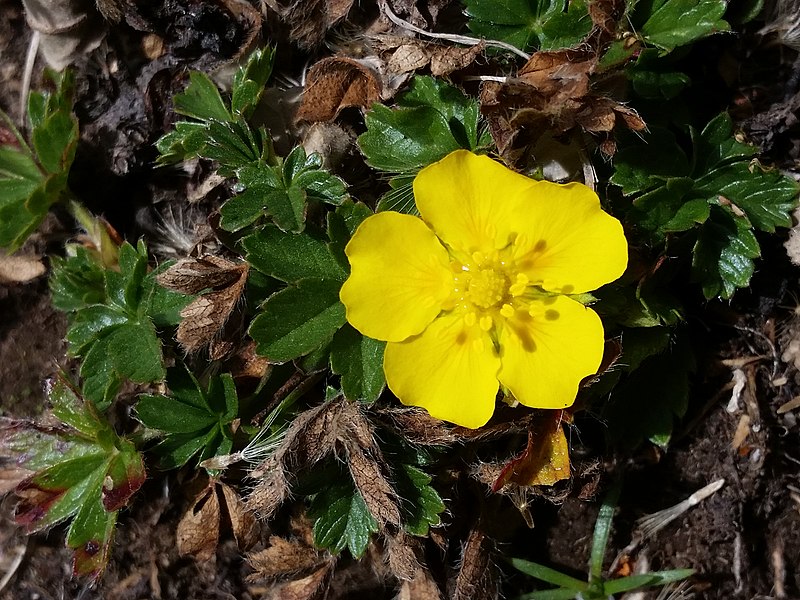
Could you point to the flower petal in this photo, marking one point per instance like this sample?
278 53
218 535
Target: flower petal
450 370
470 200
400 277
566 243
547 350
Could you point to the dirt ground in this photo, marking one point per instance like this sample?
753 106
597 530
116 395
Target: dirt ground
743 541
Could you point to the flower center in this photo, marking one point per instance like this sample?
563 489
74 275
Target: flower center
486 288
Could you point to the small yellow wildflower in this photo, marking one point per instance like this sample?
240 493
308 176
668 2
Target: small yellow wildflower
475 293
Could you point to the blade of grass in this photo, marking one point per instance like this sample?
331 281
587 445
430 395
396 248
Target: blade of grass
549 575
602 529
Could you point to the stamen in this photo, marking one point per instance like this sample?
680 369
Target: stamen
507 311
486 322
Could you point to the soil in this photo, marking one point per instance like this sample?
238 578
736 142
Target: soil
743 541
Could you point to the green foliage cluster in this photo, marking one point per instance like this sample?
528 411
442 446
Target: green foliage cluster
82 471
114 316
691 193
34 177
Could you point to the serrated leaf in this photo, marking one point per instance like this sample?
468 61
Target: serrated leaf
85 474
359 361
668 24
201 100
767 197
282 192
642 166
432 120
194 421
530 24
299 319
291 257
136 353
420 502
116 337
342 519
723 255
30 183
76 281
651 77
249 81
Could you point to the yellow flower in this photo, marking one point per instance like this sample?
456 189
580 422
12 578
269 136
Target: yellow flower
475 293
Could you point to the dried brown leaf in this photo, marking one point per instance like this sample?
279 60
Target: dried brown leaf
400 552
205 317
477 577
418 427
271 490
335 83
407 58
308 588
421 587
242 519
283 558
447 59
198 529
378 493
193 275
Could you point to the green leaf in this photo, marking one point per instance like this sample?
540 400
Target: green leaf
359 361
234 145
644 165
723 255
342 518
530 24
201 100
291 256
76 281
420 502
668 24
115 335
660 376
299 319
100 381
282 192
654 578
548 575
194 421
86 473
31 182
136 353
249 81
186 141
651 78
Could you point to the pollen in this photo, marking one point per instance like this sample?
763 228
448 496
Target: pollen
487 287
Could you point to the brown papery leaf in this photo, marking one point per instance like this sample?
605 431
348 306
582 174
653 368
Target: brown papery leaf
336 83
477 577
418 427
271 490
198 529
421 587
447 59
308 588
545 459
193 275
283 558
205 317
402 559
378 493
242 519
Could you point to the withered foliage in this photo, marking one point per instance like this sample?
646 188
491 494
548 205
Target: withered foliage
404 55
336 83
559 91
216 508
478 576
338 426
309 20
285 559
205 317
